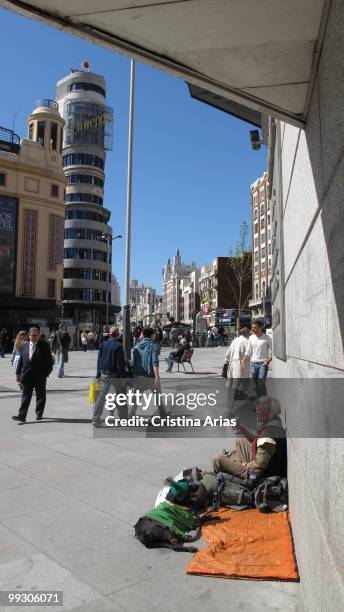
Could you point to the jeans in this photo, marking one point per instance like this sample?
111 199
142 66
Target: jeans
259 372
170 361
60 363
106 382
147 383
2 350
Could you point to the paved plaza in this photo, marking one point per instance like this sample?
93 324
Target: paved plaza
69 501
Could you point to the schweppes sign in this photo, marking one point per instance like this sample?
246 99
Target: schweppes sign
91 123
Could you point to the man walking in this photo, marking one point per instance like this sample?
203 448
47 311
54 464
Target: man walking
259 350
146 366
60 347
34 366
238 374
110 371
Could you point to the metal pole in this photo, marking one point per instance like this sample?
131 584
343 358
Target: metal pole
126 307
108 277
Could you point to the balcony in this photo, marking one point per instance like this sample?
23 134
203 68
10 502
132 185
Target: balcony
255 303
46 103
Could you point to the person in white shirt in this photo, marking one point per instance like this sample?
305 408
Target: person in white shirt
238 374
259 351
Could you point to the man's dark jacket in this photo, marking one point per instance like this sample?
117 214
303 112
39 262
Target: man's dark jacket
111 358
40 365
61 340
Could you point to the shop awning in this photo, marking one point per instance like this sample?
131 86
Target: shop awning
259 53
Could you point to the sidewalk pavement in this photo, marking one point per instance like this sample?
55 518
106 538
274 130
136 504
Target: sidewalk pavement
69 501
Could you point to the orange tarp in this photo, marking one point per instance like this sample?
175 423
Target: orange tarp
247 545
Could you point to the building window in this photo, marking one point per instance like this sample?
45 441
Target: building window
256 242
2 179
84 197
83 159
257 292
51 287
40 132
263 252
30 131
82 234
262 223
270 263
73 179
85 214
87 87
73 253
262 210
256 269
256 256
263 266
255 213
269 219
256 228
54 190
53 136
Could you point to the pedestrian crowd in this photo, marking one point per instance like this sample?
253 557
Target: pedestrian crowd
33 359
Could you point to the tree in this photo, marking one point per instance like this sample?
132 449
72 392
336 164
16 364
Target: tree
239 270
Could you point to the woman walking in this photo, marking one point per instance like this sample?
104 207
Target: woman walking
21 338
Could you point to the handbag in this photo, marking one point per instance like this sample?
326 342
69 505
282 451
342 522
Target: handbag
93 392
224 370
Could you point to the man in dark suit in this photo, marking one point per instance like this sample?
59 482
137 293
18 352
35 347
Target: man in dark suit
34 366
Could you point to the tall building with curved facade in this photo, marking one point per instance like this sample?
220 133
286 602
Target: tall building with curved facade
87 256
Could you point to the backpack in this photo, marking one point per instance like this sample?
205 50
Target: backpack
232 492
224 490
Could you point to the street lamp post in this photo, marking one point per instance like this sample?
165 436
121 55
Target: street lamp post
126 307
108 238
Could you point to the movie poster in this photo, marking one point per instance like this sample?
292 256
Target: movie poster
8 233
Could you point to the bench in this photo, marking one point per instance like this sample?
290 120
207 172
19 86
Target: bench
186 358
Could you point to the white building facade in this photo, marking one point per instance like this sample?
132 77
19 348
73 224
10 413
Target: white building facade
173 275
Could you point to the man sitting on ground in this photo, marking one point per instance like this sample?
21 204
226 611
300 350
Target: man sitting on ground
177 355
265 450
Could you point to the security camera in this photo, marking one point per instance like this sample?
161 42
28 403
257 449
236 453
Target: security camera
255 140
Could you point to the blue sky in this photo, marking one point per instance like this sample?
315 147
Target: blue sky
193 165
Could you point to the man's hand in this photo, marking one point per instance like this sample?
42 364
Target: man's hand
18 379
266 363
252 465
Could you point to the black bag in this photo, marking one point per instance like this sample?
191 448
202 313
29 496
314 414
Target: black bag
272 494
224 370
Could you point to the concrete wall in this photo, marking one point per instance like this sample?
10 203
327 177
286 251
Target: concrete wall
313 224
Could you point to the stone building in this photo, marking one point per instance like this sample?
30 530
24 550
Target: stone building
173 274
32 188
260 303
